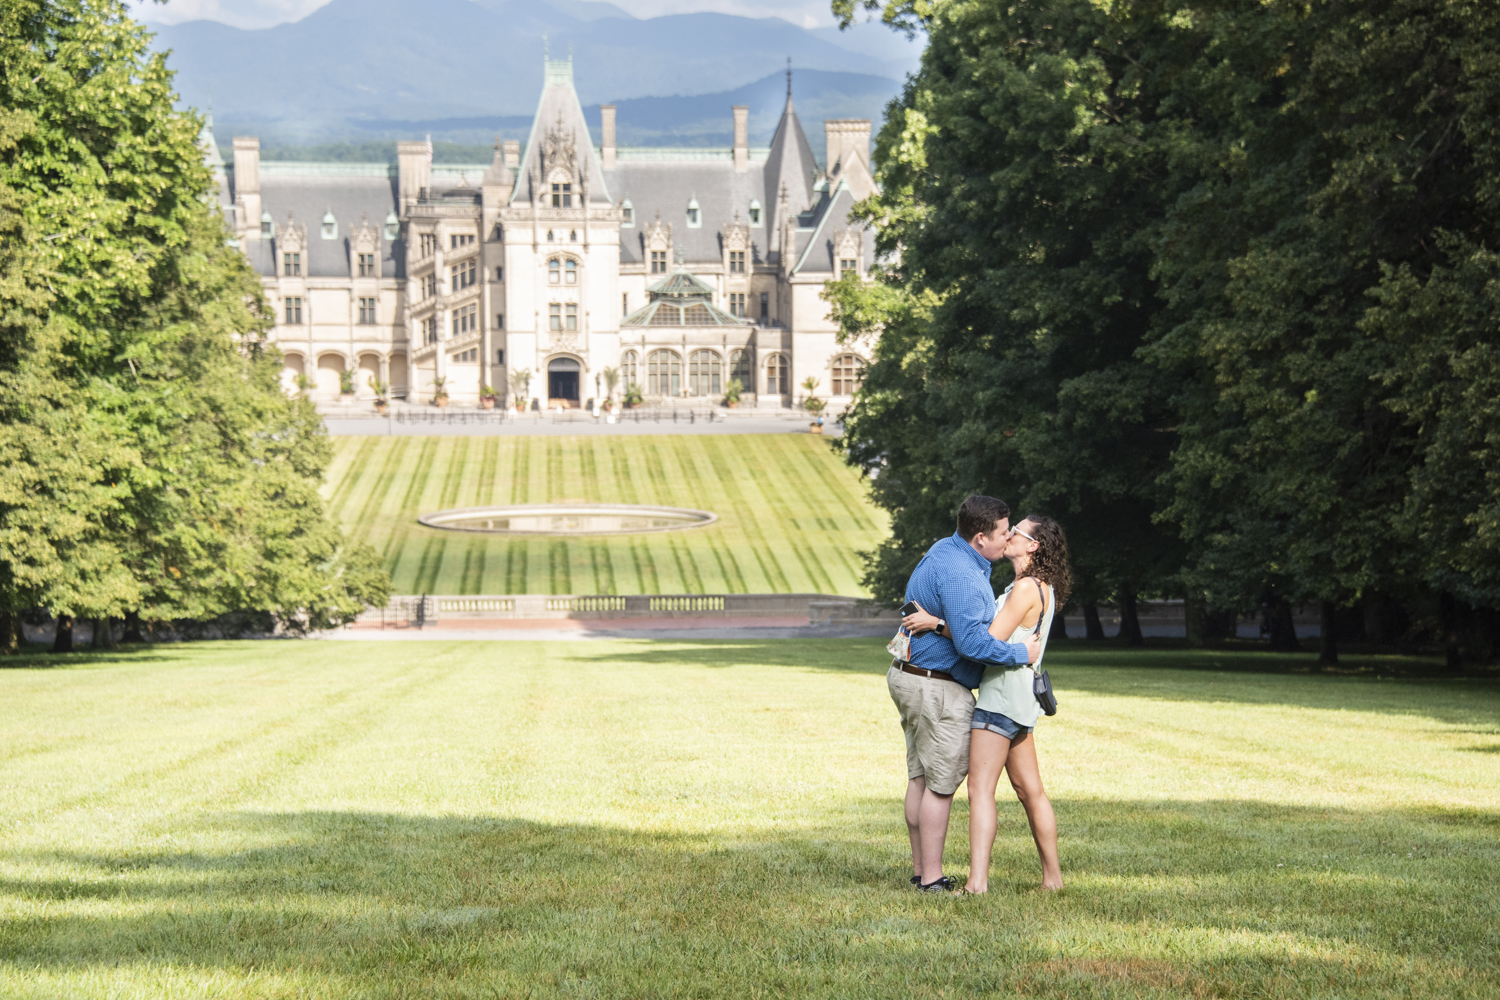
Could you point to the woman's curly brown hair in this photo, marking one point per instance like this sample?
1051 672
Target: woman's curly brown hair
1050 563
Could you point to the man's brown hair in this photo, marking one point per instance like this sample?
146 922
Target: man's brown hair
978 515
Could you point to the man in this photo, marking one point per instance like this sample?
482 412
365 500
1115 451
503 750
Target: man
934 690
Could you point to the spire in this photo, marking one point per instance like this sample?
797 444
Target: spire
789 83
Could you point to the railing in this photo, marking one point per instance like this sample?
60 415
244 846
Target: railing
411 611
687 604
585 604
469 605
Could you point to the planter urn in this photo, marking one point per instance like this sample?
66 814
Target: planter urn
487 402
381 406
733 404
815 428
441 402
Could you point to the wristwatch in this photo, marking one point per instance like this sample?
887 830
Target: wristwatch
942 627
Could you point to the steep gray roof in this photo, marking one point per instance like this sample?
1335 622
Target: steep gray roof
666 186
681 300
350 197
558 109
815 250
791 163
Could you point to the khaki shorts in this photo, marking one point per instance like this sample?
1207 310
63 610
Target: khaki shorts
935 716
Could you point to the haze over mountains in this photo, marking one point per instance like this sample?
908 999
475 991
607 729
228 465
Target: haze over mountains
466 70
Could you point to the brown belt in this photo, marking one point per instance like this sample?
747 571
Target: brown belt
912 668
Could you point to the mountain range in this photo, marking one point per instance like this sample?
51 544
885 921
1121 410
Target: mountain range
465 70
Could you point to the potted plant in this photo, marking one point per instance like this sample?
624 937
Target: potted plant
633 396
440 398
487 396
346 385
611 379
380 389
812 404
732 393
520 387
306 384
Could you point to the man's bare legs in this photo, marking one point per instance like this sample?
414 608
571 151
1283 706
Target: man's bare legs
927 826
1026 779
987 753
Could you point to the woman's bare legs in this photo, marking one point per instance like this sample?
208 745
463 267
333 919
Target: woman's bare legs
1026 779
987 754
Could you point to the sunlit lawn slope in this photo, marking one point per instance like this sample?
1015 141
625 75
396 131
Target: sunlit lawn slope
636 819
791 515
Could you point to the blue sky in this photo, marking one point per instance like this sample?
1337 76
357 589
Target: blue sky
264 13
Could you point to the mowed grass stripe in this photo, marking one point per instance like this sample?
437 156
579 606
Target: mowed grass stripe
791 514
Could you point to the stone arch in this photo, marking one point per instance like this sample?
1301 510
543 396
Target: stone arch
330 363
292 368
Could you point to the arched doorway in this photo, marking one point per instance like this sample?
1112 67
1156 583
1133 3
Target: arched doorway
563 375
291 370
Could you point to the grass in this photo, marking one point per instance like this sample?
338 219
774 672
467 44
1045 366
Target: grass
722 819
791 515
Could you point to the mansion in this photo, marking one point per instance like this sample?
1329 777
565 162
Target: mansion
681 268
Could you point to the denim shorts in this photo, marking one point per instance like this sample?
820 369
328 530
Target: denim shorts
1004 725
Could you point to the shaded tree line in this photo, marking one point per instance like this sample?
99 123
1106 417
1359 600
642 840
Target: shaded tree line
1214 283
151 468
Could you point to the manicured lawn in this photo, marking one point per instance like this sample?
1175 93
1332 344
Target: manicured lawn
720 819
791 515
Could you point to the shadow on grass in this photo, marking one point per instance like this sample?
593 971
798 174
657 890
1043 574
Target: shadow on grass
35 656
1244 897
1180 675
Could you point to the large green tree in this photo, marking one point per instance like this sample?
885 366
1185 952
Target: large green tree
149 463
1227 262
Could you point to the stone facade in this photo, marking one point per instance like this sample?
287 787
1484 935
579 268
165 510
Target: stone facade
546 261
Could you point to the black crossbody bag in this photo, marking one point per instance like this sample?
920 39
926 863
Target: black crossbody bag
1041 683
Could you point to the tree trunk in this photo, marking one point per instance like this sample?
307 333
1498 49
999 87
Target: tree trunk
1195 621
1283 633
1328 643
132 628
10 633
1092 628
1059 627
1130 622
1453 650
63 643
104 637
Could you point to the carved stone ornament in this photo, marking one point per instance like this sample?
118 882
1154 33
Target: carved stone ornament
560 150
563 340
364 238
848 243
736 236
658 236
293 235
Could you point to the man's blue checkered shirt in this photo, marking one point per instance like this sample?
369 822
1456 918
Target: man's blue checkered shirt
953 582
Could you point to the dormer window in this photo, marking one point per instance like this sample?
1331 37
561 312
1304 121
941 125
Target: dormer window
267 226
554 272
571 272
627 213
755 213
693 214
330 226
392 225
562 196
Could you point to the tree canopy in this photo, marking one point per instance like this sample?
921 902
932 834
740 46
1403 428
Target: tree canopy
1209 281
149 461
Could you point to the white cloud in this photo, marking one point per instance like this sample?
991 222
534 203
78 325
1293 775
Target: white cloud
265 13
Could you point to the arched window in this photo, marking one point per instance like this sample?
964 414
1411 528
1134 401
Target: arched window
570 269
848 373
778 380
572 236
554 271
627 213
629 373
694 215
740 368
549 236
663 374
755 214
705 374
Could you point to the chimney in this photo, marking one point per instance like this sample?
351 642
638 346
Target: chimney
607 123
512 153
247 184
415 171
849 151
741 137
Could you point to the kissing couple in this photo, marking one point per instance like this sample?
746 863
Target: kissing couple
956 636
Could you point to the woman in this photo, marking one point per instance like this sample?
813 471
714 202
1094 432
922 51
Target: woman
1007 710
